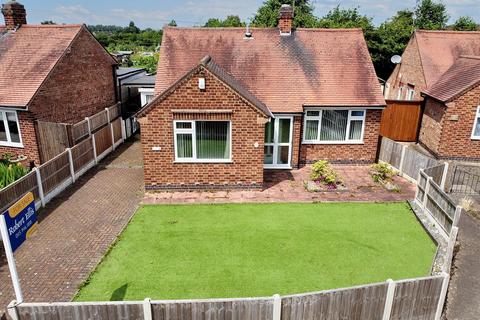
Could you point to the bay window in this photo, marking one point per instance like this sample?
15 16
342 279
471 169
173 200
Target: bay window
476 125
202 141
9 129
334 126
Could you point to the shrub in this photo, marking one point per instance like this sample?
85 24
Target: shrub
322 172
382 172
10 172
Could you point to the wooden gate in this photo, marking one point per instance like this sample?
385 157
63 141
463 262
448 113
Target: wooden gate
53 139
401 120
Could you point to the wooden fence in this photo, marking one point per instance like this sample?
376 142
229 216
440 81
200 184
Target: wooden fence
406 160
401 120
52 177
420 298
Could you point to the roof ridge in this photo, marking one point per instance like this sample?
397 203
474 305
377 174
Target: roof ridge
447 31
469 57
264 28
52 25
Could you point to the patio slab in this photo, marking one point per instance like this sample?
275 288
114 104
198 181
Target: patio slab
287 186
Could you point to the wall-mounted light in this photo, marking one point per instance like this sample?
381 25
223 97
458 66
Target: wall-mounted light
201 83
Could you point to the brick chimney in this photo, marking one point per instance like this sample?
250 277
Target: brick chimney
14 14
285 20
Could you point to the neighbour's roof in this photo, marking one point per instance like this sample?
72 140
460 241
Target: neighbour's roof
121 71
459 78
207 63
439 50
311 67
27 56
147 81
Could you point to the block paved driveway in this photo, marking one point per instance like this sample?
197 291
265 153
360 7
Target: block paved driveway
76 229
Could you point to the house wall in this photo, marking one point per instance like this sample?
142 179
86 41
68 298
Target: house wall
432 122
347 153
81 84
248 126
410 71
29 140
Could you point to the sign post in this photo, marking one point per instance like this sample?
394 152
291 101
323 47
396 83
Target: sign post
16 225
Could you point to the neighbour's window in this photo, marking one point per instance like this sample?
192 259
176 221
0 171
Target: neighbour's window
476 125
400 93
202 141
148 98
333 126
410 92
9 129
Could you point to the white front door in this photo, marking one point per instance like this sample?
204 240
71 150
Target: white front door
278 143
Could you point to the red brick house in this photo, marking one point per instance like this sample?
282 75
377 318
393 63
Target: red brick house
427 56
54 73
230 103
451 121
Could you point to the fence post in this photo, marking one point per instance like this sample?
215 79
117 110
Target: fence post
450 247
88 126
70 162
444 176
147 309
277 307
113 136
443 295
456 218
12 310
427 190
387 311
108 115
402 158
94 150
40 186
124 128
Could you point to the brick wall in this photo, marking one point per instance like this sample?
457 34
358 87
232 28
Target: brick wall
248 125
431 129
410 71
29 140
80 85
347 153
296 140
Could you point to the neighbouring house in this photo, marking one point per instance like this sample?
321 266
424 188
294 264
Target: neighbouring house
231 102
53 73
451 121
427 56
135 89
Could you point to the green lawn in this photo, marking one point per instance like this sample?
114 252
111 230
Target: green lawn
238 250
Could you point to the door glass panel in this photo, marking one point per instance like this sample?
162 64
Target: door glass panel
283 130
268 155
269 131
282 154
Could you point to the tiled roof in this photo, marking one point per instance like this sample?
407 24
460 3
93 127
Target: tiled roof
26 58
460 77
317 67
439 50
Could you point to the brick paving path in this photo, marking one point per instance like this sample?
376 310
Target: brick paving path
287 186
76 229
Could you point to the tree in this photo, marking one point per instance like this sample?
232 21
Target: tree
230 21
172 23
430 15
465 23
148 62
132 28
345 18
267 14
47 22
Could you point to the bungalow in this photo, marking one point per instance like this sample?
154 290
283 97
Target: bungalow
231 102
54 73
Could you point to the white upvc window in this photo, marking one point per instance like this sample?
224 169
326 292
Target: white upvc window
10 135
476 125
410 92
203 141
400 93
146 95
334 126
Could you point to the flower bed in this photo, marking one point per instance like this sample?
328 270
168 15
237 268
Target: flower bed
10 170
383 174
324 178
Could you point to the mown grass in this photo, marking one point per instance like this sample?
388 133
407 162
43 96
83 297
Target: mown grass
238 250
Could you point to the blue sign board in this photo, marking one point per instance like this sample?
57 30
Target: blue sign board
21 220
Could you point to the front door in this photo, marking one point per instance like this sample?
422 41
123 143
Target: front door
278 143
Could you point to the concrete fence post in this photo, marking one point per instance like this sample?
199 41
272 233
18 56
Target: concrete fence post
113 136
427 190
124 129
94 149
40 186
456 217
147 309
108 115
89 126
444 176
449 252
443 296
387 311
402 159
277 307
70 162
12 310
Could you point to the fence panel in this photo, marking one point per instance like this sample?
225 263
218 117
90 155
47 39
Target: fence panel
254 309
82 154
117 129
103 140
414 161
401 120
436 173
52 139
13 192
416 299
80 130
80 311
440 206
366 302
98 120
114 112
55 172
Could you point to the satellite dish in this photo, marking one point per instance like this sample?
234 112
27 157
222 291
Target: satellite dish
396 59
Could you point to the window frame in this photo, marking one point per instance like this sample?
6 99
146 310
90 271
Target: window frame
9 142
349 120
193 132
475 122
410 93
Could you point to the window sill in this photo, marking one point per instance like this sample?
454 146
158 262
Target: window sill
11 145
475 138
333 142
203 161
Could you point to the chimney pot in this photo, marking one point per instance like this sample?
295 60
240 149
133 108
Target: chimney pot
285 21
14 14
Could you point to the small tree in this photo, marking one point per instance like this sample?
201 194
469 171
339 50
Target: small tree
430 15
230 21
267 14
465 23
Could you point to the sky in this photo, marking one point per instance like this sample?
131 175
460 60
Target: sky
156 13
